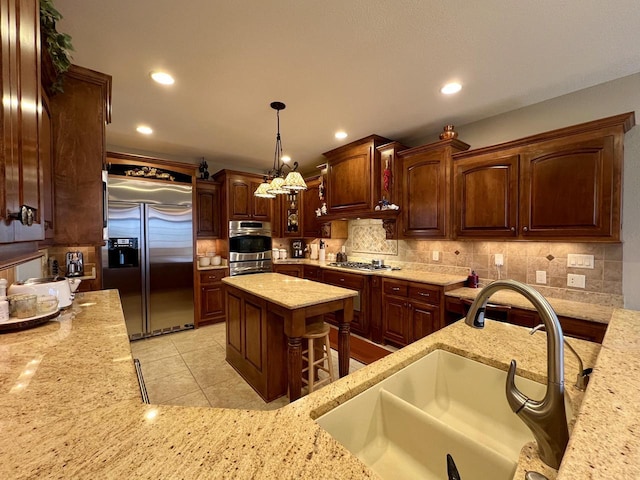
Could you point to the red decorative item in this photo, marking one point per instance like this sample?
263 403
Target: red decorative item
386 176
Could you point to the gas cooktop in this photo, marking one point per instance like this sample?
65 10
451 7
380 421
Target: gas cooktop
362 266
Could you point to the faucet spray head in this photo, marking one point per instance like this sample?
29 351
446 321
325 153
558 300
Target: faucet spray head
475 316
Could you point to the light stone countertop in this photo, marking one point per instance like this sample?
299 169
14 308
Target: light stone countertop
71 406
567 308
286 291
440 279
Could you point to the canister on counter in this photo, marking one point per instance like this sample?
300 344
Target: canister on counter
473 280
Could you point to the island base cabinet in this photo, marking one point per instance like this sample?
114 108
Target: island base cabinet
256 344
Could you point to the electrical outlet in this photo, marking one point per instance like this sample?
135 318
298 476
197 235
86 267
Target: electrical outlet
577 281
541 276
435 256
499 259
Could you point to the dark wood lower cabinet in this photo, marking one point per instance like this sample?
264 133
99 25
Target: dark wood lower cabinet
210 298
292 270
361 304
456 309
410 311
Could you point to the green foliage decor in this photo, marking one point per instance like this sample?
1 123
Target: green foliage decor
58 44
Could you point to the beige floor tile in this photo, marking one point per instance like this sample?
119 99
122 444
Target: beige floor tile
232 393
195 399
209 370
171 386
196 339
163 367
153 349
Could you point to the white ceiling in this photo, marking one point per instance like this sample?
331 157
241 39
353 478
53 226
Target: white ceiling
365 66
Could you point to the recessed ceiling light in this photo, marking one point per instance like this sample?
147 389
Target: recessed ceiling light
451 88
285 158
341 135
162 77
144 130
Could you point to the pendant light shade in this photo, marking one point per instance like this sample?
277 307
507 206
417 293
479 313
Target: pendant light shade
280 185
294 181
277 186
263 190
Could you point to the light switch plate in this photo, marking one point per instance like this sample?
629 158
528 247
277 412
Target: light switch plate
499 259
435 255
580 261
541 276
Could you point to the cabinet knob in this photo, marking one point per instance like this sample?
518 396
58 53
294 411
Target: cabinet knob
342 279
513 229
423 294
396 289
525 229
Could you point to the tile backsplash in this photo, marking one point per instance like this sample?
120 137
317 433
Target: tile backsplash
603 283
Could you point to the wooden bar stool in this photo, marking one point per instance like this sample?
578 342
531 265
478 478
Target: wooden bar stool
317 332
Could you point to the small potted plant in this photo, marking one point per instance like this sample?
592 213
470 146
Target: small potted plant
57 45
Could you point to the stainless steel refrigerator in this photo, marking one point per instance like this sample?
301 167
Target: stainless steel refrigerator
149 254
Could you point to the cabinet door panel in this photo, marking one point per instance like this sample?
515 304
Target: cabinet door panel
310 203
350 181
486 196
239 203
253 334
261 206
208 210
425 195
567 189
234 333
212 302
395 325
425 319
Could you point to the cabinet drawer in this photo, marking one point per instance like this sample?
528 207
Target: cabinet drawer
394 288
424 293
347 280
212 276
311 272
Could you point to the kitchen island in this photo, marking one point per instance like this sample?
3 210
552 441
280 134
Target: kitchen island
71 406
263 309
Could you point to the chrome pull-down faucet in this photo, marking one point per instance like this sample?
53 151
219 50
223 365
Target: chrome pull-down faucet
546 418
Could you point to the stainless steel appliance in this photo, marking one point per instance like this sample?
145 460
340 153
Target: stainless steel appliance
249 247
75 264
149 254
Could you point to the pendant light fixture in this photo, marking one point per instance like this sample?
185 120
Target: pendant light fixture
275 182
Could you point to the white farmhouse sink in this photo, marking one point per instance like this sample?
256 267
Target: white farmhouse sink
404 426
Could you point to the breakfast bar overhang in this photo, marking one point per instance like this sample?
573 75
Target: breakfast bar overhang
267 314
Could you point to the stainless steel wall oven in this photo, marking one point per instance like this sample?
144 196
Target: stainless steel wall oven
249 247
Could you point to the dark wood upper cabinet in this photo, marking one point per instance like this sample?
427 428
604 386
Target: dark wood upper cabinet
485 196
79 118
20 168
426 193
207 209
353 176
571 187
311 226
237 201
560 185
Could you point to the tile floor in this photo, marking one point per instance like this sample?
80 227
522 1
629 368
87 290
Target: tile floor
189 368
